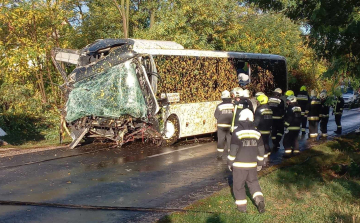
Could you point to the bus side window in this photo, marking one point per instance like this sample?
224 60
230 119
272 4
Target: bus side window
149 65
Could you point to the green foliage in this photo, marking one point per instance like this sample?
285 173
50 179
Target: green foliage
30 29
319 185
28 32
334 28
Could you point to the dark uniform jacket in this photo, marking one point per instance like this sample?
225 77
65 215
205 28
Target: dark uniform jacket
277 106
339 106
325 110
248 104
224 113
313 109
247 147
293 116
263 118
238 107
303 99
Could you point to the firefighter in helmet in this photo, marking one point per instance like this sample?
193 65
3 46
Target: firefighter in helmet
239 105
338 110
247 102
303 99
277 106
313 110
263 123
324 114
292 125
223 115
245 159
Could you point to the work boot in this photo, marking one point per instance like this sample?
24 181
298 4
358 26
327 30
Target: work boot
339 133
242 210
261 207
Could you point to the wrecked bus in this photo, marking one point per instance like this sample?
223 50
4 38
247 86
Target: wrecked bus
126 89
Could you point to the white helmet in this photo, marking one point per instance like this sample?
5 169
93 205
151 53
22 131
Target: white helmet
323 95
278 90
243 77
225 94
313 93
291 98
246 114
259 93
238 92
246 93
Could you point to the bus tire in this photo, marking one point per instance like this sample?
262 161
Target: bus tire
171 135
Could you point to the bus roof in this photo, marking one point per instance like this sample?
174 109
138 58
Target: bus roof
208 53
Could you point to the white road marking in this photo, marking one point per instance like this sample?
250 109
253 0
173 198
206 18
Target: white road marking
165 153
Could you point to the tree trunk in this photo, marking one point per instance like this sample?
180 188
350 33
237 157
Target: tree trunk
127 17
122 13
152 18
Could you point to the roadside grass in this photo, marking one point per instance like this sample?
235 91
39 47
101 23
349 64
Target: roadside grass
320 185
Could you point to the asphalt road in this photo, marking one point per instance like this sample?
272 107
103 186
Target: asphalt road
133 176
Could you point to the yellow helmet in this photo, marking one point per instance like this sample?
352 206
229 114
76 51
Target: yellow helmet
303 88
289 93
263 99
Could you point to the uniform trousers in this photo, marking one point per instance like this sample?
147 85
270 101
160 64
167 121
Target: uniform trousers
248 176
303 123
277 131
266 137
323 126
224 140
338 122
290 142
313 128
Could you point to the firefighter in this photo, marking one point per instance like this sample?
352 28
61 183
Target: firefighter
324 114
223 115
247 101
256 95
238 106
232 94
313 110
292 125
263 123
338 110
277 106
245 159
289 93
303 99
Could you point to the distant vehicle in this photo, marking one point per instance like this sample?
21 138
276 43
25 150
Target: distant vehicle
117 89
350 96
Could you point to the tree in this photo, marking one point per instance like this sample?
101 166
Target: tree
334 28
28 32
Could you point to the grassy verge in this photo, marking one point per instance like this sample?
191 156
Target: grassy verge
322 188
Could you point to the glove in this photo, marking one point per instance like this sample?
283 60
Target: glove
230 167
258 168
286 130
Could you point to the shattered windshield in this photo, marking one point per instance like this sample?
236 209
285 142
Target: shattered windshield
112 93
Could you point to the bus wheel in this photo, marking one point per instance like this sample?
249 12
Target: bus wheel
172 130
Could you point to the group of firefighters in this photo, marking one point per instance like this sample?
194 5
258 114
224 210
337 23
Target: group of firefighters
245 133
